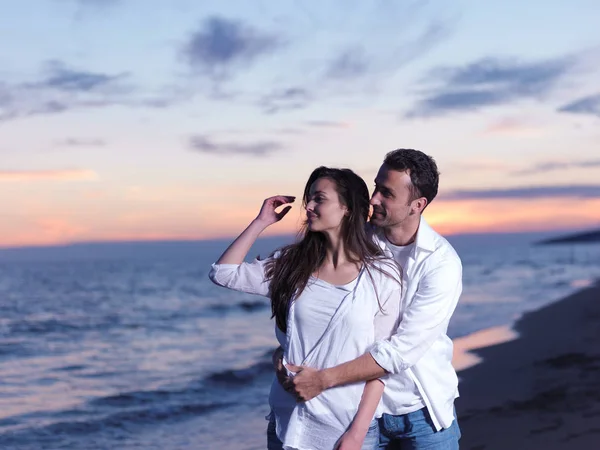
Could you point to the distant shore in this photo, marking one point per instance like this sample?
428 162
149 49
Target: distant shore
587 236
541 390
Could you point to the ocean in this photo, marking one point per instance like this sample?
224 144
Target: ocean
130 346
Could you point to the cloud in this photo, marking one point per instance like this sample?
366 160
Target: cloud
428 38
327 124
62 78
285 99
533 192
61 89
96 4
5 96
99 2
352 63
512 127
552 166
488 82
79 142
50 107
204 144
290 131
444 102
585 105
222 44
351 70
523 77
48 175
488 165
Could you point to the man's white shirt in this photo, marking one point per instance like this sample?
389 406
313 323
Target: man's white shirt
420 350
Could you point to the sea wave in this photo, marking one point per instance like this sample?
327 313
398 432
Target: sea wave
246 375
119 422
247 306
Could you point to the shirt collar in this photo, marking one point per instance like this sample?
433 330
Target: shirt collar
426 237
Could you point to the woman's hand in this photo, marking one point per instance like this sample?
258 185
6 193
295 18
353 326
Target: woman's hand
268 214
350 441
239 248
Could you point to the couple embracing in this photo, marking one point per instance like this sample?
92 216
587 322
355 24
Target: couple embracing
361 307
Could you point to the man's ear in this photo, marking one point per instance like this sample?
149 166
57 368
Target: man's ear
418 205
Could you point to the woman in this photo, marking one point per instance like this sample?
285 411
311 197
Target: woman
333 293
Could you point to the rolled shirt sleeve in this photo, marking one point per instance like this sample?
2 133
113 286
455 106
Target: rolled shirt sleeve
424 320
248 277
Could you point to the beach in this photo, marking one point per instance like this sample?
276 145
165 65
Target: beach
541 390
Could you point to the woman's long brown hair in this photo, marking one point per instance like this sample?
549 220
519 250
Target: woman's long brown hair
289 273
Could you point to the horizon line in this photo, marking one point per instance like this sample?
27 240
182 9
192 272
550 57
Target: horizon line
270 236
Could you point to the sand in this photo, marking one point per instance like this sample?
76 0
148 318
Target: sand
542 390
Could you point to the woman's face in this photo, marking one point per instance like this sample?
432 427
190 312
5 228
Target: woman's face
324 212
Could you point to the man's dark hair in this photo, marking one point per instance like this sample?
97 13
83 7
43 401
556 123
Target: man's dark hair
422 169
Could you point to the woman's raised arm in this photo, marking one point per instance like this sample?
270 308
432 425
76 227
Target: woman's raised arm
231 271
267 216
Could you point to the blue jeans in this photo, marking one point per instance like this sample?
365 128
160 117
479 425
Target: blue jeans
415 431
371 441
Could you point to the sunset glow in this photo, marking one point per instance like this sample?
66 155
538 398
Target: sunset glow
114 130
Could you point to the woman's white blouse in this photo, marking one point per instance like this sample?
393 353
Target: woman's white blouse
327 325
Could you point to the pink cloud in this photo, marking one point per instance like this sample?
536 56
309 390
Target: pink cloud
48 175
512 127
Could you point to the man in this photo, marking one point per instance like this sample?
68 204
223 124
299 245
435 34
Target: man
422 384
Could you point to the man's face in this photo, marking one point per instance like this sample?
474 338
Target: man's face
392 199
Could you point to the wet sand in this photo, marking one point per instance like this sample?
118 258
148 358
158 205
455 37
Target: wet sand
541 390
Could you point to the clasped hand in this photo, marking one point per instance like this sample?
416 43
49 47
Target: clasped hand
305 385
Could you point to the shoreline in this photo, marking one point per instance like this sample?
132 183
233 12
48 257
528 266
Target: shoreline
540 387
466 346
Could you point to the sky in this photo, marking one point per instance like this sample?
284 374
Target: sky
158 120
